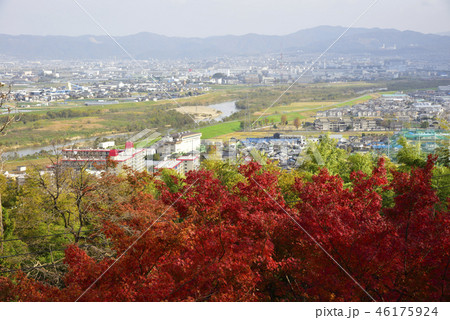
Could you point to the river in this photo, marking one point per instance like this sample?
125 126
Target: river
227 109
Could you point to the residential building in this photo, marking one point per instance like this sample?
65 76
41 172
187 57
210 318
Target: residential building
181 165
170 164
191 162
183 142
96 159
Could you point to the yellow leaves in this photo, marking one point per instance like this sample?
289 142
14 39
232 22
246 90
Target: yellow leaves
444 124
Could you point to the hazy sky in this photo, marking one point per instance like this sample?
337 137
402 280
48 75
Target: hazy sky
201 18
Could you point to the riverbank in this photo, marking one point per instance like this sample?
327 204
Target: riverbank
200 113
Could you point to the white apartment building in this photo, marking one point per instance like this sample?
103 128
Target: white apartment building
183 142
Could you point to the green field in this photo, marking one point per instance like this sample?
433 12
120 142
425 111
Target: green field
357 100
219 129
299 106
11 165
290 117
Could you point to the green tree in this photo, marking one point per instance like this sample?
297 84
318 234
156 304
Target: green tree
361 162
5 122
219 75
325 154
226 172
441 182
172 179
443 154
409 155
424 125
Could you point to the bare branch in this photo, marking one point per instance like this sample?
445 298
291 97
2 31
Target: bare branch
11 112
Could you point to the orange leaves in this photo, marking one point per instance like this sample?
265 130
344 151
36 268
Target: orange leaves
6 289
214 244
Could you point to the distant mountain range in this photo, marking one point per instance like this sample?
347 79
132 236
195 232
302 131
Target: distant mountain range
376 41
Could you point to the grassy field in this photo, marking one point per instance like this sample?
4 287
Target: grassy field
358 100
296 106
13 164
219 129
290 116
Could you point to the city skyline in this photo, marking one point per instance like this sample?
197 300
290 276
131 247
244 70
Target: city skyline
201 18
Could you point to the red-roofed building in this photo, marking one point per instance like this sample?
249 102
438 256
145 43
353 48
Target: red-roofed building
182 164
96 159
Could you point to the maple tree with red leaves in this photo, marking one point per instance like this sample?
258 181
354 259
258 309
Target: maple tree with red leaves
206 241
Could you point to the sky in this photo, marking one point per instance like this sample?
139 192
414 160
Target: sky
203 18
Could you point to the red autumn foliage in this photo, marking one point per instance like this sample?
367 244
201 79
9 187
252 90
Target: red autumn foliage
207 243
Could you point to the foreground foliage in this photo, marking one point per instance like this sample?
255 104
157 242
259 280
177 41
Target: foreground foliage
224 235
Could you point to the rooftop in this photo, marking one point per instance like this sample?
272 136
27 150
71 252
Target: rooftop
168 164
